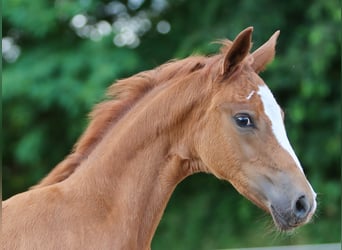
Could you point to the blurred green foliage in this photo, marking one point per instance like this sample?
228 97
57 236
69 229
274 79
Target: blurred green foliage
59 69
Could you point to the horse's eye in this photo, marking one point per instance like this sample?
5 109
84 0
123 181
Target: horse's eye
243 120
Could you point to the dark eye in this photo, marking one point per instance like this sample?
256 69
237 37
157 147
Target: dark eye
244 120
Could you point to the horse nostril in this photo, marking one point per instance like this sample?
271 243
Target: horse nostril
302 207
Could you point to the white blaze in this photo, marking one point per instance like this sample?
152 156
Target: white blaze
273 112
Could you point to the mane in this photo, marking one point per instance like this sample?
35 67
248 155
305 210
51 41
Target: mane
121 97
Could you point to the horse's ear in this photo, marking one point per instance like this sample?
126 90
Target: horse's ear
237 52
265 54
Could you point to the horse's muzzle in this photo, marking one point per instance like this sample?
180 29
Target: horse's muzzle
299 213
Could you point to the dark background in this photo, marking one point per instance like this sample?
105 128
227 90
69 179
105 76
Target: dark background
59 56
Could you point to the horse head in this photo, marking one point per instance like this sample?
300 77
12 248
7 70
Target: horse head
243 139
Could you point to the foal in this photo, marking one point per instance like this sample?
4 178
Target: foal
200 114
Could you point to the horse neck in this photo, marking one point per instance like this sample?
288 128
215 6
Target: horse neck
138 164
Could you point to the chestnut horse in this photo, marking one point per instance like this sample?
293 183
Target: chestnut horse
200 114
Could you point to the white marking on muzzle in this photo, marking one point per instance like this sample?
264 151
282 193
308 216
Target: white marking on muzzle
272 110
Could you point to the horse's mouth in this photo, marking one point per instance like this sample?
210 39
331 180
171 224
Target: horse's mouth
284 221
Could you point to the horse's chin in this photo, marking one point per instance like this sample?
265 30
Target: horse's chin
282 221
